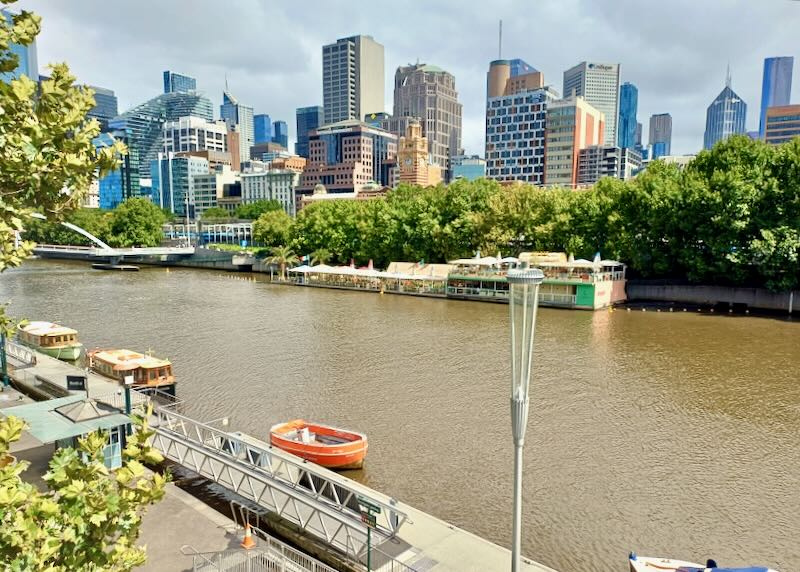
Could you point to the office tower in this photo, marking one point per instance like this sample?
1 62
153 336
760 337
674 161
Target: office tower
628 124
725 116
348 156
210 187
194 134
598 84
428 93
173 182
599 161
572 124
27 60
776 87
352 78
121 183
177 83
280 134
638 142
141 127
515 135
238 117
660 135
105 106
468 167
262 128
412 159
308 119
782 124
501 78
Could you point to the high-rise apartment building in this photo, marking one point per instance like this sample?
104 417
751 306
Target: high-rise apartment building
210 187
173 182
177 83
782 124
280 133
515 135
503 78
352 78
725 116
105 106
412 159
348 156
776 87
660 139
598 84
262 128
308 119
429 94
572 124
599 161
238 117
628 123
275 184
194 134
27 58
141 127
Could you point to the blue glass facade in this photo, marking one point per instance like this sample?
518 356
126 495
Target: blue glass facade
659 149
776 87
725 116
27 61
122 183
628 107
308 119
263 128
520 67
177 83
469 168
173 182
280 134
105 106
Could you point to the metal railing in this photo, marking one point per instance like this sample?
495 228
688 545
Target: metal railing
22 354
323 504
65 247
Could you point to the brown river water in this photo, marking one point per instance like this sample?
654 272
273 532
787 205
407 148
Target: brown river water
671 434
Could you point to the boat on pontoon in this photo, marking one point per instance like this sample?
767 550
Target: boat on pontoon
650 564
327 446
143 370
57 341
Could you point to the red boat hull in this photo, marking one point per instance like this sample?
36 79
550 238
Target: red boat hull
327 446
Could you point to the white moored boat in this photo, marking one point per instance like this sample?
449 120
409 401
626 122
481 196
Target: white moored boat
650 564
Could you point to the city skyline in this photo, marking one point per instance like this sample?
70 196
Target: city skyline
677 68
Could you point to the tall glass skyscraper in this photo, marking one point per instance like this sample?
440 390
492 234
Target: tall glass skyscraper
263 128
660 134
308 119
177 83
725 116
280 134
105 106
520 67
27 61
238 117
776 88
628 107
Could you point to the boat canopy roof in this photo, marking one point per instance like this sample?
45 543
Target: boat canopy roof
125 360
362 272
47 329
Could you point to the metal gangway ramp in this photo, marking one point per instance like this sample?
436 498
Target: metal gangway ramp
309 496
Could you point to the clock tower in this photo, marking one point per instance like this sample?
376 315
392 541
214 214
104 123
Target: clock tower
412 158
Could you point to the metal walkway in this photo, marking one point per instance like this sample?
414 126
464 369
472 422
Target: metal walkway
309 496
110 252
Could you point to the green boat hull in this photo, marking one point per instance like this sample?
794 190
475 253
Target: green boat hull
69 353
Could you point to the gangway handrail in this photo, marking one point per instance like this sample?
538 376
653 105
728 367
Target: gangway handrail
286 468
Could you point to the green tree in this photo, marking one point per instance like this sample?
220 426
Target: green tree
252 211
95 221
88 519
283 256
216 213
320 256
273 228
136 222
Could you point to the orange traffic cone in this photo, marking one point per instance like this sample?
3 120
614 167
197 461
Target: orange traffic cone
248 541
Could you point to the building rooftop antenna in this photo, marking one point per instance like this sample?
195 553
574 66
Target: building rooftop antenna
728 76
500 42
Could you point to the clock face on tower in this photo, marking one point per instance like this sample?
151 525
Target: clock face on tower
408 162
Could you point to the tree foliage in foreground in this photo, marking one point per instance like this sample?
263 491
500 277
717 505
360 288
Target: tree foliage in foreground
136 222
272 228
89 518
251 211
731 217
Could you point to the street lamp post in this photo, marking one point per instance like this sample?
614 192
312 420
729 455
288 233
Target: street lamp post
523 304
128 382
3 358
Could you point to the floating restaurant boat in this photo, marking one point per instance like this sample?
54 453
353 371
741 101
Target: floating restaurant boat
147 371
51 339
326 446
650 564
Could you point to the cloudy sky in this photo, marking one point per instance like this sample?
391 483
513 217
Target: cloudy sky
675 51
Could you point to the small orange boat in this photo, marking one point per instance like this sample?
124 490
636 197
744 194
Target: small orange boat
326 446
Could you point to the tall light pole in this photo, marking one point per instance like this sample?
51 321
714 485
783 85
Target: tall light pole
523 302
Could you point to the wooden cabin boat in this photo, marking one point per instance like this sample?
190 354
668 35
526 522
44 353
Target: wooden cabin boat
51 339
147 371
326 446
650 564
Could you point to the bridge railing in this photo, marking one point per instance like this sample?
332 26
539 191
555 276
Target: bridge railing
66 248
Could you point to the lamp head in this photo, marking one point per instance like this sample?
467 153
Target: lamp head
525 276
